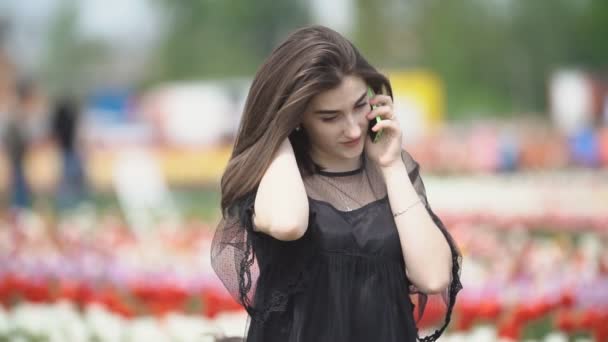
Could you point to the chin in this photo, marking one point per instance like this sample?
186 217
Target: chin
352 153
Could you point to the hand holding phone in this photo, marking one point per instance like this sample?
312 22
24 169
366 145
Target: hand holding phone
375 136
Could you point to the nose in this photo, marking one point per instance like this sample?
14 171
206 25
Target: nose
352 130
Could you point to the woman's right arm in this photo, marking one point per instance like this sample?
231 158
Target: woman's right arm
281 203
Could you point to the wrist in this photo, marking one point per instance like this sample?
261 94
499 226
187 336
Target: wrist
397 168
396 174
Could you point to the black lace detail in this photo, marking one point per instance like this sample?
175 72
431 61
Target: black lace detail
295 277
245 280
453 289
232 256
449 296
280 298
266 275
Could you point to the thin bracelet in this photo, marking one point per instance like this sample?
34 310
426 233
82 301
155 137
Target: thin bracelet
408 208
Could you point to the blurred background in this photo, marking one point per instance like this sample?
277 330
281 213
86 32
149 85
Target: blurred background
117 118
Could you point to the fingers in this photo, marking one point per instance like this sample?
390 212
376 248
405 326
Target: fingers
384 112
386 124
381 100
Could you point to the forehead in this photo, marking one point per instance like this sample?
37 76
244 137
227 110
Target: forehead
344 95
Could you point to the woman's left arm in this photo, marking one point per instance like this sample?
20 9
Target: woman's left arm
426 252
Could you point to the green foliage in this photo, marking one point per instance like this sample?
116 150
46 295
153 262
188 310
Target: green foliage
493 56
207 39
69 58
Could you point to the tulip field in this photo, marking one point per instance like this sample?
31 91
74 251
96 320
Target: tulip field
532 271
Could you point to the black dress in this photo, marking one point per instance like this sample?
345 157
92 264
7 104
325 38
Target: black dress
344 280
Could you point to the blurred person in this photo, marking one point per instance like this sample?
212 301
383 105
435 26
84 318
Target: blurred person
325 234
65 121
16 141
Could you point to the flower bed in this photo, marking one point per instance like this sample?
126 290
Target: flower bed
529 270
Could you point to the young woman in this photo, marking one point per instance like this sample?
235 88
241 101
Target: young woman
325 234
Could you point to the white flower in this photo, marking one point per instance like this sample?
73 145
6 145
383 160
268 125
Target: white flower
103 324
4 326
189 328
556 337
483 333
146 329
64 315
232 323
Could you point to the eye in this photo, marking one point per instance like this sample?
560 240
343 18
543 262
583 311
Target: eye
328 119
361 105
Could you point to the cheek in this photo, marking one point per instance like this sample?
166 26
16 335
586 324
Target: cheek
363 117
363 123
323 134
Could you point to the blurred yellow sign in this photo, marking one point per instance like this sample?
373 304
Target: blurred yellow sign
419 100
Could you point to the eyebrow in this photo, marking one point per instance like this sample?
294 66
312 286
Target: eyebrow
330 111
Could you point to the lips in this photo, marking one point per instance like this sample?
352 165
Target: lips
352 142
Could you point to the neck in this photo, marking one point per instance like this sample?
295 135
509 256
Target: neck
334 165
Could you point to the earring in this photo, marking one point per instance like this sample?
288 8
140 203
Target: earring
298 128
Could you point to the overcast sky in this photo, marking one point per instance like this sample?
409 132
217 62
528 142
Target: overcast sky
131 26
112 19
116 21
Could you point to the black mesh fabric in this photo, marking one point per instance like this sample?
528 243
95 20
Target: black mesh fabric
345 279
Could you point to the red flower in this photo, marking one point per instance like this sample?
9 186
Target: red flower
523 313
468 312
566 321
567 299
37 292
76 292
545 307
434 311
590 319
489 309
144 292
215 303
4 291
600 333
510 328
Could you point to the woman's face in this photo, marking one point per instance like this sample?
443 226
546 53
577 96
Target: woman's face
334 118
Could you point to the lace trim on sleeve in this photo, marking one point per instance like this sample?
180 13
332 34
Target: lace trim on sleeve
234 257
449 295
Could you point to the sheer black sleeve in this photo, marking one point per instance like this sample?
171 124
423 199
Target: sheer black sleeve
260 272
232 254
430 307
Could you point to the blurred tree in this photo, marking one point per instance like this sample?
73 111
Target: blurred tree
495 57
536 47
589 36
70 59
207 38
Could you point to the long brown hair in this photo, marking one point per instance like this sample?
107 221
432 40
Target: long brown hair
311 60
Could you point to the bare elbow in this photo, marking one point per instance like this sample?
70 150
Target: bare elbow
282 230
288 232
437 285
432 285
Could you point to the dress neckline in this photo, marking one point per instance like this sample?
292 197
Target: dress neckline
366 205
341 173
